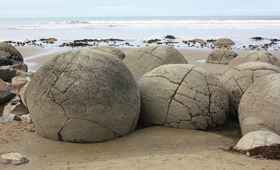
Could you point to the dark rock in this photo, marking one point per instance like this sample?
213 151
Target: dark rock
170 37
9 55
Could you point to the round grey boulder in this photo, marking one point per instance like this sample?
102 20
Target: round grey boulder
148 58
259 106
112 50
83 96
182 96
254 56
9 55
221 56
256 139
240 78
223 42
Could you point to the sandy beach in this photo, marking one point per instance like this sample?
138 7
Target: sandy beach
146 148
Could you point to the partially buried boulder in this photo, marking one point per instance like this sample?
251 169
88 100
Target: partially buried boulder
182 96
9 55
112 50
256 139
83 95
221 56
254 56
240 78
259 106
223 42
148 58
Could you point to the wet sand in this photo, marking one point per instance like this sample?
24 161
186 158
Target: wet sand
146 148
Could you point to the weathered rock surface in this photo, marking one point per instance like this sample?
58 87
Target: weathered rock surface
182 96
20 66
254 56
223 42
221 56
257 138
18 82
83 95
6 73
148 58
112 50
240 78
5 92
259 106
9 55
13 158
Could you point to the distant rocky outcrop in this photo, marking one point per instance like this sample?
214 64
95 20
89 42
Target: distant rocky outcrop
223 42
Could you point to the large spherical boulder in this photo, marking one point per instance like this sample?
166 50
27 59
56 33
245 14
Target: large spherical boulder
240 78
83 96
259 106
254 56
223 42
9 55
182 96
256 139
221 56
148 58
112 50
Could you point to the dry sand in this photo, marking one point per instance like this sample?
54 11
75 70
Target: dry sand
146 148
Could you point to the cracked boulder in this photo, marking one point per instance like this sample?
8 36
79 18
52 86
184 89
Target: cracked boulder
9 55
256 139
259 106
83 95
182 96
221 56
223 42
240 78
148 58
254 56
112 50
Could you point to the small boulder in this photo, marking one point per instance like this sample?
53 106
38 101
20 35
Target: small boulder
145 59
182 96
223 42
256 139
20 66
18 82
221 56
13 158
112 50
6 73
5 92
259 106
240 78
254 56
9 55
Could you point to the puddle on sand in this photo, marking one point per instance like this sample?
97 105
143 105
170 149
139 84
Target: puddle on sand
200 61
230 130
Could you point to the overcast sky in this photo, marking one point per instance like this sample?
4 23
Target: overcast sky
130 8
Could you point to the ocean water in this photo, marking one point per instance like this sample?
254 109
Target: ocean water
239 29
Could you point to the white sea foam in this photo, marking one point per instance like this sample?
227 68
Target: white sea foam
145 24
184 28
